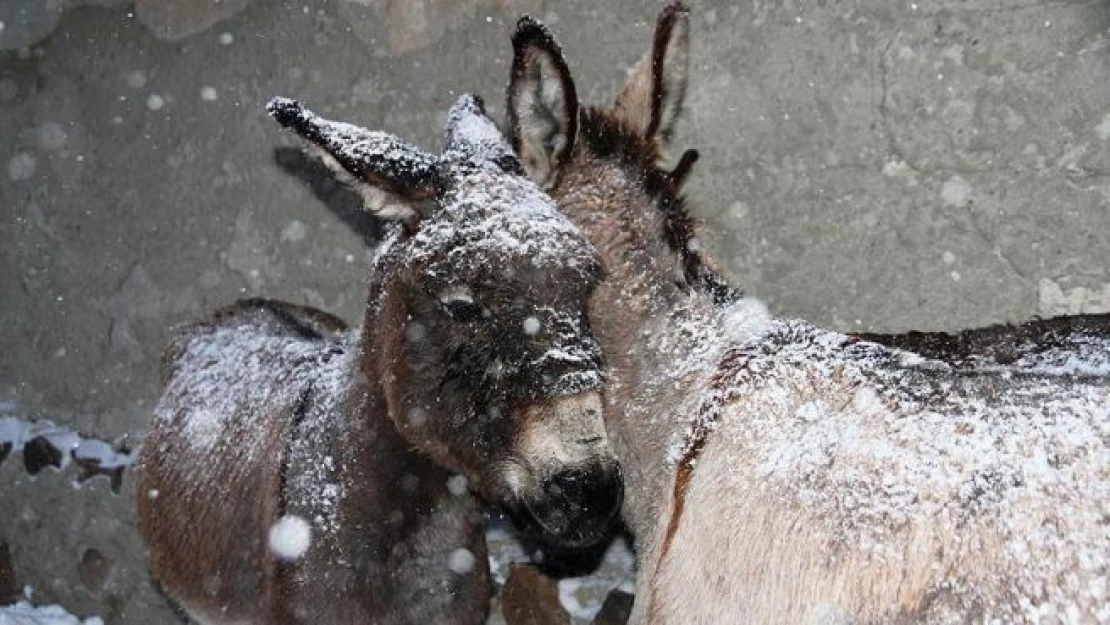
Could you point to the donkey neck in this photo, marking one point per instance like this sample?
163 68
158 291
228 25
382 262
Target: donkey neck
387 486
388 492
659 336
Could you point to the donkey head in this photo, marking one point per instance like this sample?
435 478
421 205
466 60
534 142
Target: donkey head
477 327
611 161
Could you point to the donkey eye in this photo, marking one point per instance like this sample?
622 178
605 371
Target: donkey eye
464 310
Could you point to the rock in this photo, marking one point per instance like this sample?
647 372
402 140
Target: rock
171 21
616 609
531 598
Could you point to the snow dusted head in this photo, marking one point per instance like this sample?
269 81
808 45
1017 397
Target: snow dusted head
476 325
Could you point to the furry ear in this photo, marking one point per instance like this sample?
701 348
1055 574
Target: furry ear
651 99
391 175
542 103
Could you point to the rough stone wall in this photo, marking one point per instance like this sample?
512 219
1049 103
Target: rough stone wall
865 165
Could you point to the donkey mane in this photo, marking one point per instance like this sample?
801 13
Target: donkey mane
608 137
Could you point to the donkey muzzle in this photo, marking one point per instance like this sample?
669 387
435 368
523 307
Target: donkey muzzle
578 505
573 487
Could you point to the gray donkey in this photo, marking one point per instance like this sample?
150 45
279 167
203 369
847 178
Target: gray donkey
781 473
300 472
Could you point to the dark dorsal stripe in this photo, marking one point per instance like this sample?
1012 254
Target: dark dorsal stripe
1001 344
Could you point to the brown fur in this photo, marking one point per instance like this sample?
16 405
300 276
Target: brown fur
273 410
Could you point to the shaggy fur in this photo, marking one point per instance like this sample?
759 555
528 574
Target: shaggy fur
475 358
780 473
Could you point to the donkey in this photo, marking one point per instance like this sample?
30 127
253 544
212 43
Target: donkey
300 472
776 472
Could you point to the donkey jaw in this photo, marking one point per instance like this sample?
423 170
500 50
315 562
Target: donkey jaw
565 483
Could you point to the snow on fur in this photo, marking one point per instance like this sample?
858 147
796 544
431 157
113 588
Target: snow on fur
224 371
485 210
877 444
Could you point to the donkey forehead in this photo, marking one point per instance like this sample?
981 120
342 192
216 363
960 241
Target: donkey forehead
493 222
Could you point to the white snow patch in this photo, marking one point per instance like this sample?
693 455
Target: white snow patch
226 39
582 597
155 102
746 319
21 166
461 561
1054 299
136 79
416 417
72 445
948 257
23 613
13 431
294 231
290 537
531 326
457 485
208 94
100 453
956 192
1103 128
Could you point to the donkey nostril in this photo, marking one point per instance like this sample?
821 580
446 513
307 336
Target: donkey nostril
595 492
566 485
589 440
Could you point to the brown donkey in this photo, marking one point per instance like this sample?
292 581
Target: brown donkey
780 473
300 472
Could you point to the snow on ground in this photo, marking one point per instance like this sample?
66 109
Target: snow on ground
580 596
23 613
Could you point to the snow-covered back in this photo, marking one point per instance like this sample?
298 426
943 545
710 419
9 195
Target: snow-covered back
877 444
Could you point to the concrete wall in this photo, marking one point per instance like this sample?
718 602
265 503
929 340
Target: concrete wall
866 165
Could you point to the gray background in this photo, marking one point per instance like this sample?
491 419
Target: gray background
865 165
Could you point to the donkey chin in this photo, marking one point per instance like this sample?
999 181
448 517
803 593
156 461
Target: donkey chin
565 484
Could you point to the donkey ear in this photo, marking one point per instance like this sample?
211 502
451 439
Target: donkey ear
391 175
542 103
652 96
